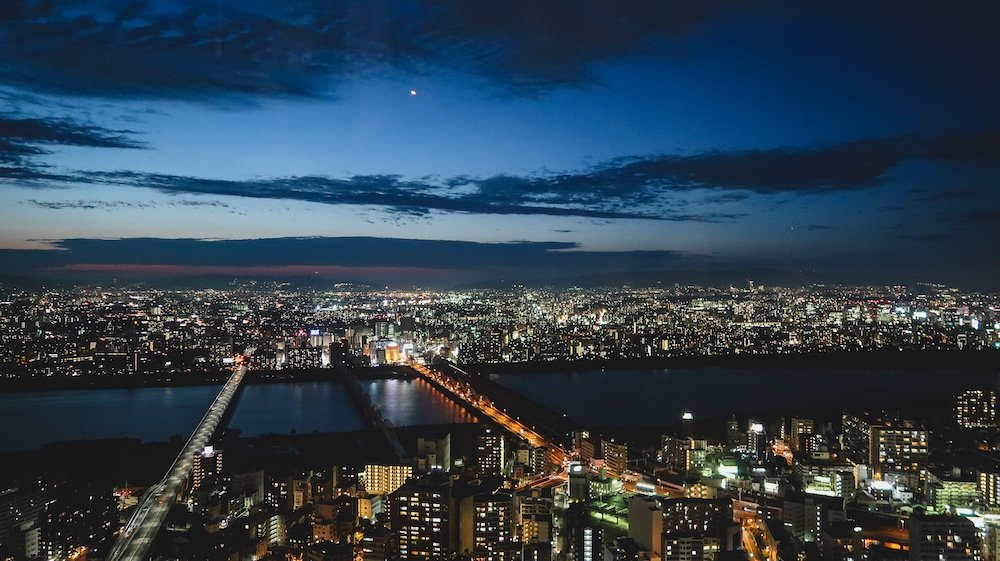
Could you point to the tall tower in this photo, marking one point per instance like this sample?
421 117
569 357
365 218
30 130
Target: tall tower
687 421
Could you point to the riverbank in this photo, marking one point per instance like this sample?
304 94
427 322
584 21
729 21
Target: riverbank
117 461
200 379
865 360
973 361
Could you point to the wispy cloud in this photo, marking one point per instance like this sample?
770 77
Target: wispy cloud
24 139
660 187
112 205
348 252
303 48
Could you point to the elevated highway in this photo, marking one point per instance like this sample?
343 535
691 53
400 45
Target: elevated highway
135 540
454 386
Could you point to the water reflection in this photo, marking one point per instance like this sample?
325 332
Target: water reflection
414 402
296 408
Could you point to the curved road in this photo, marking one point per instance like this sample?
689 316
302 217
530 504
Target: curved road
134 541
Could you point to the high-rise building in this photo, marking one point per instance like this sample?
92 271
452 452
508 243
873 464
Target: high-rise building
645 523
583 445
586 539
943 538
898 447
299 491
697 529
687 420
485 519
951 489
855 438
420 515
491 452
798 428
207 463
615 458
778 429
434 453
696 455
535 516
674 451
384 479
988 484
579 487
711 517
976 409
756 442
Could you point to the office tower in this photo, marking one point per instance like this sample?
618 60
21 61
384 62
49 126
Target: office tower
855 439
579 487
976 409
615 458
491 451
384 479
583 445
687 421
800 427
207 463
943 538
419 513
756 442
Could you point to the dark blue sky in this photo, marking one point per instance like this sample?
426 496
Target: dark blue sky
842 141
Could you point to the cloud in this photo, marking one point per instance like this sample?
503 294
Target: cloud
32 131
24 139
301 48
346 253
392 191
111 205
659 187
672 187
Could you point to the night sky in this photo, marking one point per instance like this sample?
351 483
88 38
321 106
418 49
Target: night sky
456 142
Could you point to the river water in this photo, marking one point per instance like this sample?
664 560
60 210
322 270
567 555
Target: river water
661 396
33 419
602 397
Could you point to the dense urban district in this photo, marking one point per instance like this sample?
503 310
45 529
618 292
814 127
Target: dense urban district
110 332
519 481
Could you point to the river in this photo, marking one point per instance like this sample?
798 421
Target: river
601 397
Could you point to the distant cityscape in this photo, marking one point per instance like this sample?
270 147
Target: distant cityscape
143 332
516 480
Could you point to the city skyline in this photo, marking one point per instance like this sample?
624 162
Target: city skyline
439 143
